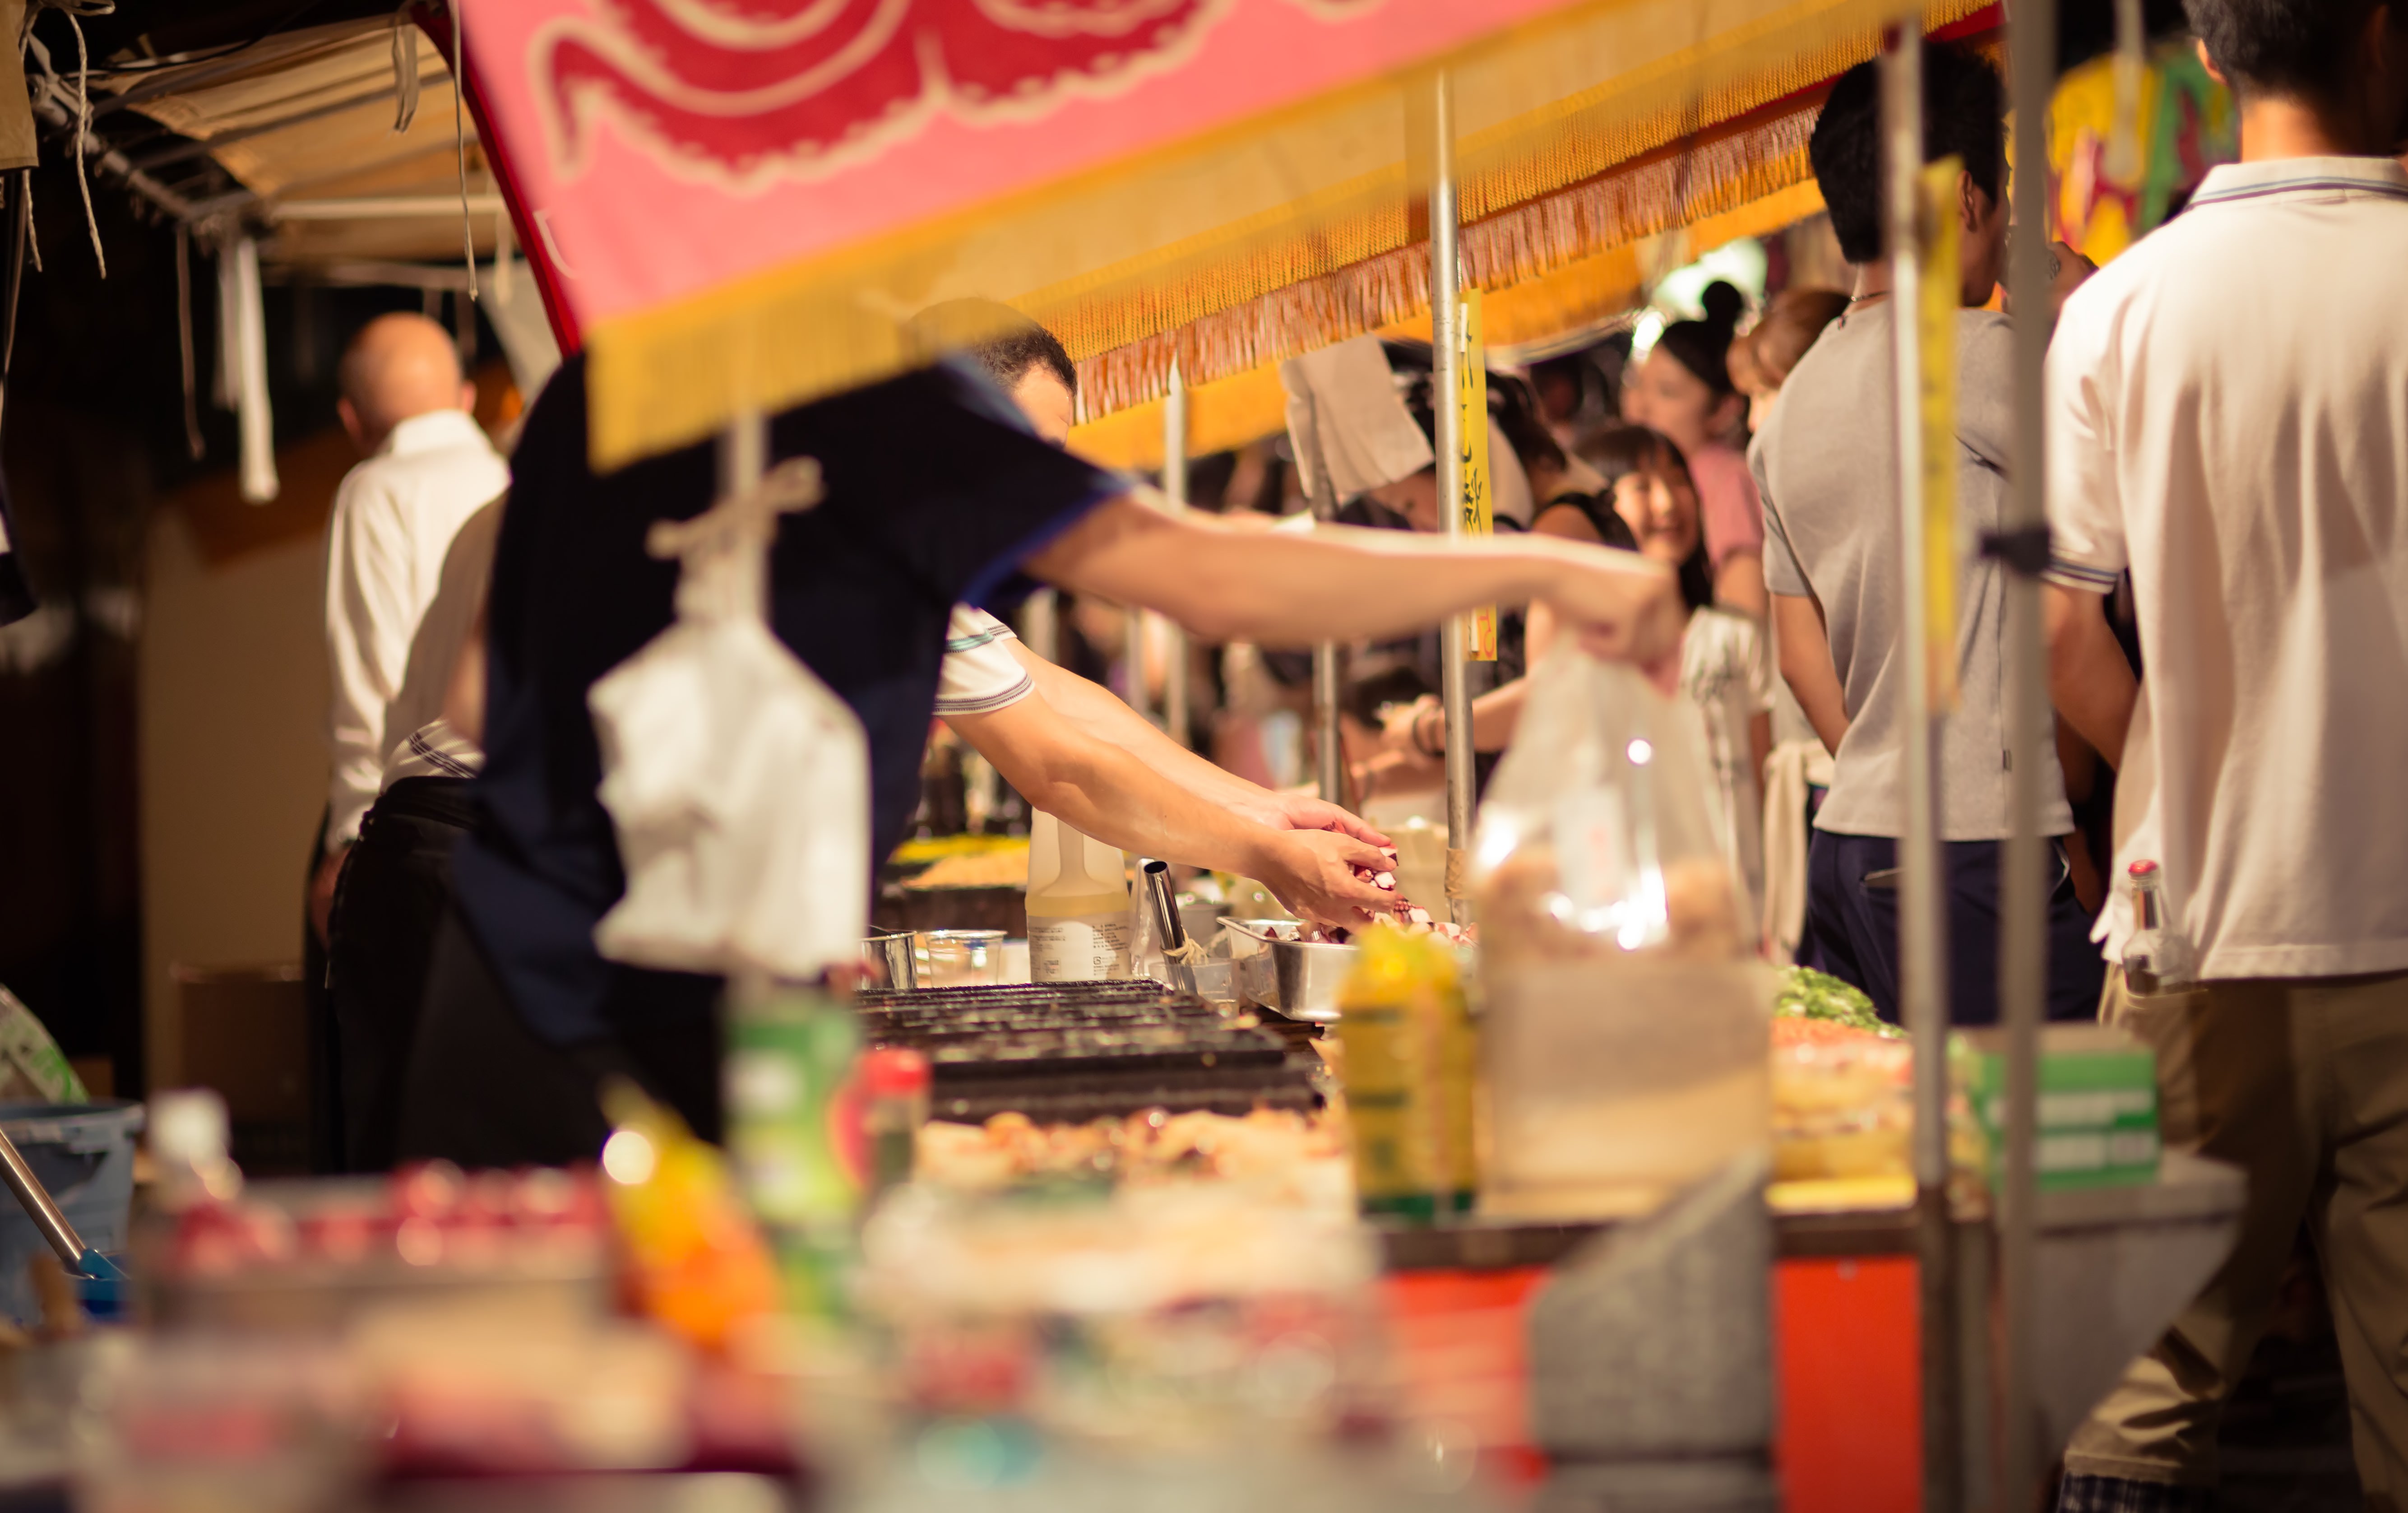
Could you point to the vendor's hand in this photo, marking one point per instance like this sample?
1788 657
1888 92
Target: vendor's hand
1302 812
1629 610
1312 873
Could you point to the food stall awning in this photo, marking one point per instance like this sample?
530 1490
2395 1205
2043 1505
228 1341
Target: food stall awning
744 208
343 140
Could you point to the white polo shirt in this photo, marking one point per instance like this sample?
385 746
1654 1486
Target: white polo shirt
2227 410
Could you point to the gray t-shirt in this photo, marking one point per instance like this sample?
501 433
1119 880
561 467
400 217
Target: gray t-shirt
1824 464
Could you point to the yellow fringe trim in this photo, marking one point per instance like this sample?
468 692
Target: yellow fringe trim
1542 190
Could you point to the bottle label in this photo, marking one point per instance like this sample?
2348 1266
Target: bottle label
1079 949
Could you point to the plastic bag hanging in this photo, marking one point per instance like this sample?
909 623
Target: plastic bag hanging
1597 837
1625 1043
738 784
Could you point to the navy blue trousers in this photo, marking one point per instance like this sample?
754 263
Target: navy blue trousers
1852 927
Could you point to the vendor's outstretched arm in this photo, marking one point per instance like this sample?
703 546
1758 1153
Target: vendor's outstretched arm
1102 790
1103 715
1340 584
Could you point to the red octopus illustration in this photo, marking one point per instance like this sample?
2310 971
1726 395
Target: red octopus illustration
742 88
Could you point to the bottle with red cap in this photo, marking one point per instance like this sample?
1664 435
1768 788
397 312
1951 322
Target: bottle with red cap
895 1103
2156 955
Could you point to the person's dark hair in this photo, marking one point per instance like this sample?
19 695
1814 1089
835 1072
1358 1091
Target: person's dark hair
1703 346
2300 48
1514 412
1624 449
1513 407
995 337
1964 113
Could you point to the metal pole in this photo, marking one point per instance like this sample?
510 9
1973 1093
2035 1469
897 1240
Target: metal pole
1446 352
2023 885
1923 979
1175 494
1133 659
1329 752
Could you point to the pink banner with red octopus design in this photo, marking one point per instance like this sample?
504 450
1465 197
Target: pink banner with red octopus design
666 147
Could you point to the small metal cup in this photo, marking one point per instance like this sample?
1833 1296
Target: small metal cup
891 957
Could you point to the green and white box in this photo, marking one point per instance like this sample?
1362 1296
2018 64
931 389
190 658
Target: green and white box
2097 1124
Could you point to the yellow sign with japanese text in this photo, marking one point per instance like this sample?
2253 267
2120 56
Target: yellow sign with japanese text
1471 410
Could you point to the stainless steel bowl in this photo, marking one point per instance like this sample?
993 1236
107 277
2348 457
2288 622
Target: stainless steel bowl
1297 978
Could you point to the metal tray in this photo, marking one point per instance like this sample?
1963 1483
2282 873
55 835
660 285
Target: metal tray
1297 978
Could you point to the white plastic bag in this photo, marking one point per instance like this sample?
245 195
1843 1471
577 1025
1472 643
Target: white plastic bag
1598 835
1623 1044
738 784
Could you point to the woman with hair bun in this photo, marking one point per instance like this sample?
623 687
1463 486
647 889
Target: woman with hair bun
1684 391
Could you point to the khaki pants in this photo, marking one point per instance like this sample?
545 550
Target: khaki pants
2302 1083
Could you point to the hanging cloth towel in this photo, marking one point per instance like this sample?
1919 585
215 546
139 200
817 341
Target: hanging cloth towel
738 784
1344 408
1791 766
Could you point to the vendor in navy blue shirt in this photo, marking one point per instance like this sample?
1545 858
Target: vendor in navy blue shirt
936 493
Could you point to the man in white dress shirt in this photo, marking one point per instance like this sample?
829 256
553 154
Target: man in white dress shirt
427 467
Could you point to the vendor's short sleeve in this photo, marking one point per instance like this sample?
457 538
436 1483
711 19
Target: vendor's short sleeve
939 472
980 675
2085 516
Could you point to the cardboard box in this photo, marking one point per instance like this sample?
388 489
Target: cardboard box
2098 1113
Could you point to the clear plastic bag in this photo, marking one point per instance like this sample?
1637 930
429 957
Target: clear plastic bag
1624 1045
1598 836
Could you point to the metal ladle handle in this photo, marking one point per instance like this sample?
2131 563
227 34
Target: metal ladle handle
43 1209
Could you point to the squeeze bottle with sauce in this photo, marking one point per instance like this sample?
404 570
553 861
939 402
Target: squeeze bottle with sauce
1079 924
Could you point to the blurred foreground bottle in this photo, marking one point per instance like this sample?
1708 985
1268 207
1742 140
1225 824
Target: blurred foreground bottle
1409 1054
795 1133
698 1265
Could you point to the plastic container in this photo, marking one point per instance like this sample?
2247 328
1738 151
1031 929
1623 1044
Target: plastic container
83 1153
1080 924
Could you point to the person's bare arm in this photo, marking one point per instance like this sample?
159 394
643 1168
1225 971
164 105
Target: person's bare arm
2088 680
1759 743
1340 584
1806 666
464 694
1106 716
1097 788
1738 585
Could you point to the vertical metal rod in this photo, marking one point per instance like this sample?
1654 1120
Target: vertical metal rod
1175 494
2022 945
1446 351
1922 927
1039 625
1329 752
1133 659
